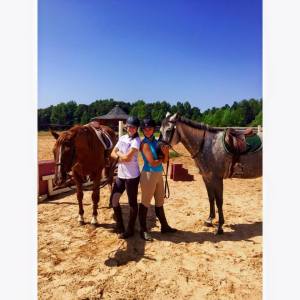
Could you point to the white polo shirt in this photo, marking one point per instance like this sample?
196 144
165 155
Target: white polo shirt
128 170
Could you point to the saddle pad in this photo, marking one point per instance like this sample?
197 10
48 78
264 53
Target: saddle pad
253 144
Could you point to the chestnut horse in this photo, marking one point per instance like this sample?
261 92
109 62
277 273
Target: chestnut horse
79 150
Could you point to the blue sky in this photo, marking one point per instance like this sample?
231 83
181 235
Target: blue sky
206 52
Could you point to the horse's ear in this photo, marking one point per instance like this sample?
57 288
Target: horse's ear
174 117
55 134
168 114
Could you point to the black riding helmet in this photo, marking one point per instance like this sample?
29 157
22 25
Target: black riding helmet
147 123
133 121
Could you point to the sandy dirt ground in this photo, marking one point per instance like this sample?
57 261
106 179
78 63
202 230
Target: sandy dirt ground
79 262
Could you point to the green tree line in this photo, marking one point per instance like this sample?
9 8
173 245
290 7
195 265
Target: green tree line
241 113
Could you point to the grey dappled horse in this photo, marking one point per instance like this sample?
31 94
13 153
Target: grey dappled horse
206 146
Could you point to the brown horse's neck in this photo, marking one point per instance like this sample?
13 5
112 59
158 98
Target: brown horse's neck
191 138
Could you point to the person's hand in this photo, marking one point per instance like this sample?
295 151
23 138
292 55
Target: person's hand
165 149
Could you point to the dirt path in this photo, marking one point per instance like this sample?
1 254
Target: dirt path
78 262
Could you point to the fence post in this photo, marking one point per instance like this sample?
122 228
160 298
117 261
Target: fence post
120 128
259 128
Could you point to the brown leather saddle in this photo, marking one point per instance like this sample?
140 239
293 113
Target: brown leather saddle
104 138
238 142
102 135
236 139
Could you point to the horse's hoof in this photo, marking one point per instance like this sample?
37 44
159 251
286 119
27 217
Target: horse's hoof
219 231
81 223
94 225
208 223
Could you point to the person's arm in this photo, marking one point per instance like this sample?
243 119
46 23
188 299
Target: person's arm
114 153
145 148
128 156
165 151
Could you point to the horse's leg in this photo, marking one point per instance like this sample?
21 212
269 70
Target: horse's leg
95 198
110 184
110 192
211 198
219 200
79 192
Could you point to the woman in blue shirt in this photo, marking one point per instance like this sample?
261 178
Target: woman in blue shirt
151 180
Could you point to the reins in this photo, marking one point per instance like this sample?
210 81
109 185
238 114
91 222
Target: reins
167 188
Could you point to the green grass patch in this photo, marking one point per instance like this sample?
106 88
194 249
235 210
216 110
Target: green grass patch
173 154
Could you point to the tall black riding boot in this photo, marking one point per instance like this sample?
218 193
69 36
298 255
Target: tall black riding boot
131 222
143 223
119 219
160 213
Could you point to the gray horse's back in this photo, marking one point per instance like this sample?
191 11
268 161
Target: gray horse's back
249 165
219 161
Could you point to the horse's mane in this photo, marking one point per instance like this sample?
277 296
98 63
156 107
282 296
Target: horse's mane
197 125
70 133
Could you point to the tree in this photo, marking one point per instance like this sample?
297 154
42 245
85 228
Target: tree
217 118
187 110
258 120
138 109
196 114
241 113
70 110
59 114
78 113
226 118
44 115
237 118
85 118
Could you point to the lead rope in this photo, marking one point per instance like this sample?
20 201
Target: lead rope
167 189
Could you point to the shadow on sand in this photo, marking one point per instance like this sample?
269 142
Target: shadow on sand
133 249
52 200
241 232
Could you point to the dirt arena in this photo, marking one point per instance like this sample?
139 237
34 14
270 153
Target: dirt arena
78 262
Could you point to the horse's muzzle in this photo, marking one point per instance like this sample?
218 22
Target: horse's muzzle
61 180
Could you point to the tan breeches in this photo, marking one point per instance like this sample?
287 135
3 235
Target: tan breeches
152 184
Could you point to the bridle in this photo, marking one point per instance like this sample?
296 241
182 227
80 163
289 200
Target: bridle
59 162
168 142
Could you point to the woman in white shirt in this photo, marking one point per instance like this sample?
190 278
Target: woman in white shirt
126 151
